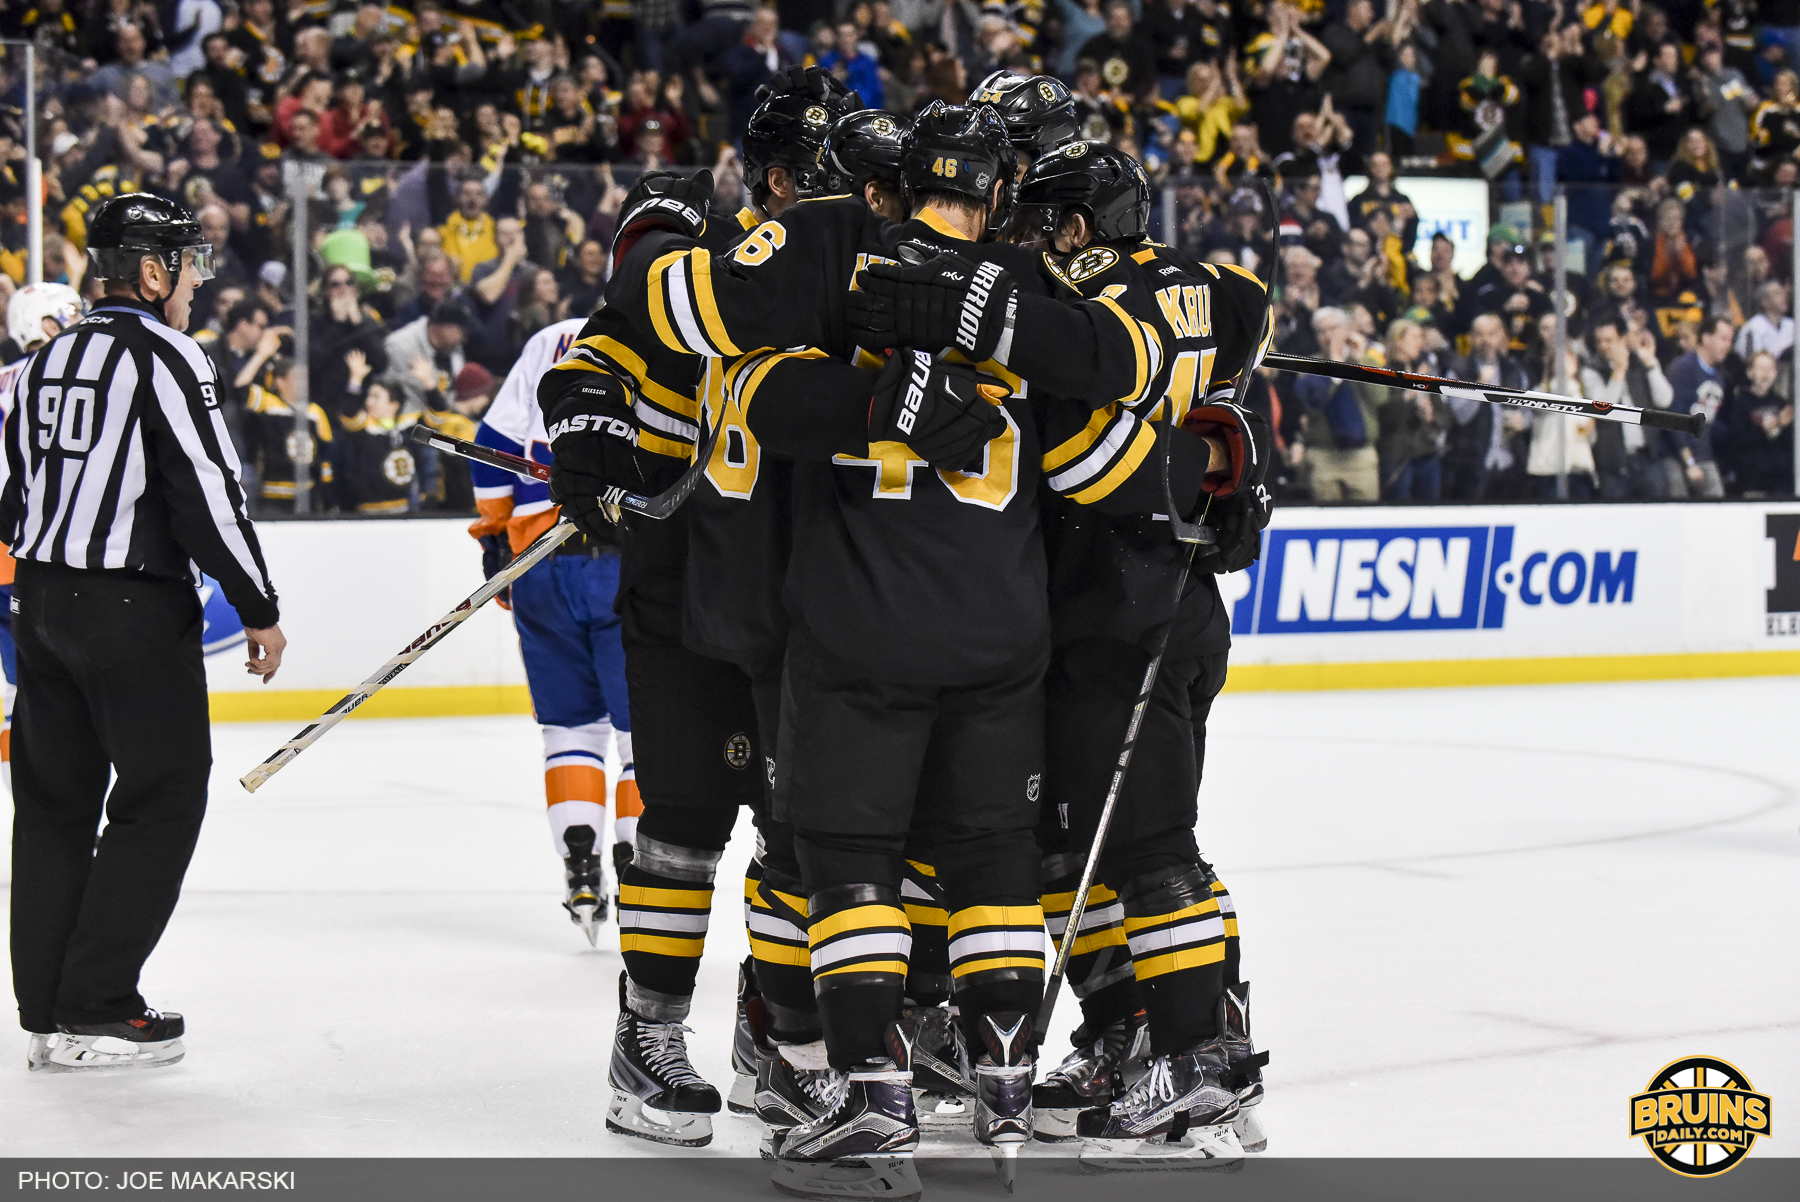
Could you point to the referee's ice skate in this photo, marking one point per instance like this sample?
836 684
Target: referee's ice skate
152 1040
1176 1116
657 1095
586 899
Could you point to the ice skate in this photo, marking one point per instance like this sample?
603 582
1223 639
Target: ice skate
1177 1116
152 1040
943 1089
1246 1066
1003 1089
586 900
621 861
1100 1068
794 1085
742 1098
862 1146
657 1095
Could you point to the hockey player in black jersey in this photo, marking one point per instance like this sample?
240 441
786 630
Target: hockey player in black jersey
700 678
1038 111
1109 582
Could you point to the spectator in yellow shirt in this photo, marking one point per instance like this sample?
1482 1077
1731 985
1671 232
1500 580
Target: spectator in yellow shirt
1214 101
1609 16
469 234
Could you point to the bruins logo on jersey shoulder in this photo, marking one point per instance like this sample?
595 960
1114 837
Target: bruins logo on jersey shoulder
1090 263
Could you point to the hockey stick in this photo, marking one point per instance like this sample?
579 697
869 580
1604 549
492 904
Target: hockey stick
1520 398
659 506
434 634
1192 535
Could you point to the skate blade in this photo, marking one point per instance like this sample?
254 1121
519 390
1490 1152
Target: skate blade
1248 1128
1054 1126
887 1177
627 1115
942 1110
589 916
742 1098
88 1053
1006 1163
1203 1149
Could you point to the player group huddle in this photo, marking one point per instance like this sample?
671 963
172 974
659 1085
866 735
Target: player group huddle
961 430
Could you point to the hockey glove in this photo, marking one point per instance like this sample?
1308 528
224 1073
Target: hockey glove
941 410
1237 524
1247 440
496 553
662 200
933 304
815 83
593 439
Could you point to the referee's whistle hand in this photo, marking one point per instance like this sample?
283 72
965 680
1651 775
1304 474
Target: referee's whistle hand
266 647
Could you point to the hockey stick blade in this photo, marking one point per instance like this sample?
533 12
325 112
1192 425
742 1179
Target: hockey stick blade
434 634
658 507
1492 394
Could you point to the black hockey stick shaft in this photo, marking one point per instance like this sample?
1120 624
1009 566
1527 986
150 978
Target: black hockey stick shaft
659 506
1519 398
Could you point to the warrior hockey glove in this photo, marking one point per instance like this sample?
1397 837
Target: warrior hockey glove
1237 524
662 200
941 410
593 439
1247 440
934 304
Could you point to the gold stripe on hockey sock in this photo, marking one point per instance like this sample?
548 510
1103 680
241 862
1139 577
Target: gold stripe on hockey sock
1186 938
920 895
775 935
1100 919
665 922
860 939
1227 908
996 938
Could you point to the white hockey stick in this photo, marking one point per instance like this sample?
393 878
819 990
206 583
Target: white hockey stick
438 631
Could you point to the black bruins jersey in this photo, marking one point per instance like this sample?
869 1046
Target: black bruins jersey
1159 333
907 572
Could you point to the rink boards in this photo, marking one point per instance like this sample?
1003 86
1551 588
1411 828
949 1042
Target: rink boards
1364 597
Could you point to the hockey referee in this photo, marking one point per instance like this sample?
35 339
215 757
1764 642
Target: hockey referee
121 486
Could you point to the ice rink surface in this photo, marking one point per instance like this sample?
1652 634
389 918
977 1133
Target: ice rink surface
1476 922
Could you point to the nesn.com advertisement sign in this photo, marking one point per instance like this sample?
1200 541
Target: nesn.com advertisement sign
1406 578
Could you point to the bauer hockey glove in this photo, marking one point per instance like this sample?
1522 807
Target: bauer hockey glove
1247 440
662 200
942 411
934 303
593 441
1237 524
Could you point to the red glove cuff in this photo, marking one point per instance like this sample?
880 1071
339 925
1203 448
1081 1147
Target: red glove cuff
1221 422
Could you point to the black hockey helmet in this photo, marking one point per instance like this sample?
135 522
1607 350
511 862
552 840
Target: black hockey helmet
1107 185
863 146
1039 110
794 112
124 229
961 150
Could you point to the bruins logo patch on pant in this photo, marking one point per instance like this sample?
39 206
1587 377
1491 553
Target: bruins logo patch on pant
737 750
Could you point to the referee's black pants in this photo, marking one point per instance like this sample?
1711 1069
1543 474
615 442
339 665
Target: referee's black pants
111 680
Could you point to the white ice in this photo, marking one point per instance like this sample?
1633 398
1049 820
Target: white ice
1476 922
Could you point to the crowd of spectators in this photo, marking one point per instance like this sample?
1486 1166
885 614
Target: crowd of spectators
461 163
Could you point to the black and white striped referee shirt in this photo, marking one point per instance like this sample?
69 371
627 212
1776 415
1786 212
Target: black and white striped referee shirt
117 458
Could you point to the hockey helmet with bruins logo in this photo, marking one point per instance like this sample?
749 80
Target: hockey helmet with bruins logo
1038 110
864 146
963 151
1105 185
795 110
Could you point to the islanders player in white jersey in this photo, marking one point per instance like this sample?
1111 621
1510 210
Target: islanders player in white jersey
35 314
568 635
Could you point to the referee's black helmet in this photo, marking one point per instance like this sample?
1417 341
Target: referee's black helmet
794 112
125 229
962 151
1105 185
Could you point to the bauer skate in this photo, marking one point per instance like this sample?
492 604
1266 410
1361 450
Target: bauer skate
794 1085
1100 1068
1003 1089
943 1089
862 1147
1246 1066
742 1098
657 1095
1178 1115
151 1040
586 897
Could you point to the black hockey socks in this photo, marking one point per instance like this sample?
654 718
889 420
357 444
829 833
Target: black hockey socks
665 901
775 913
1100 966
928 974
860 942
1177 940
1227 911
